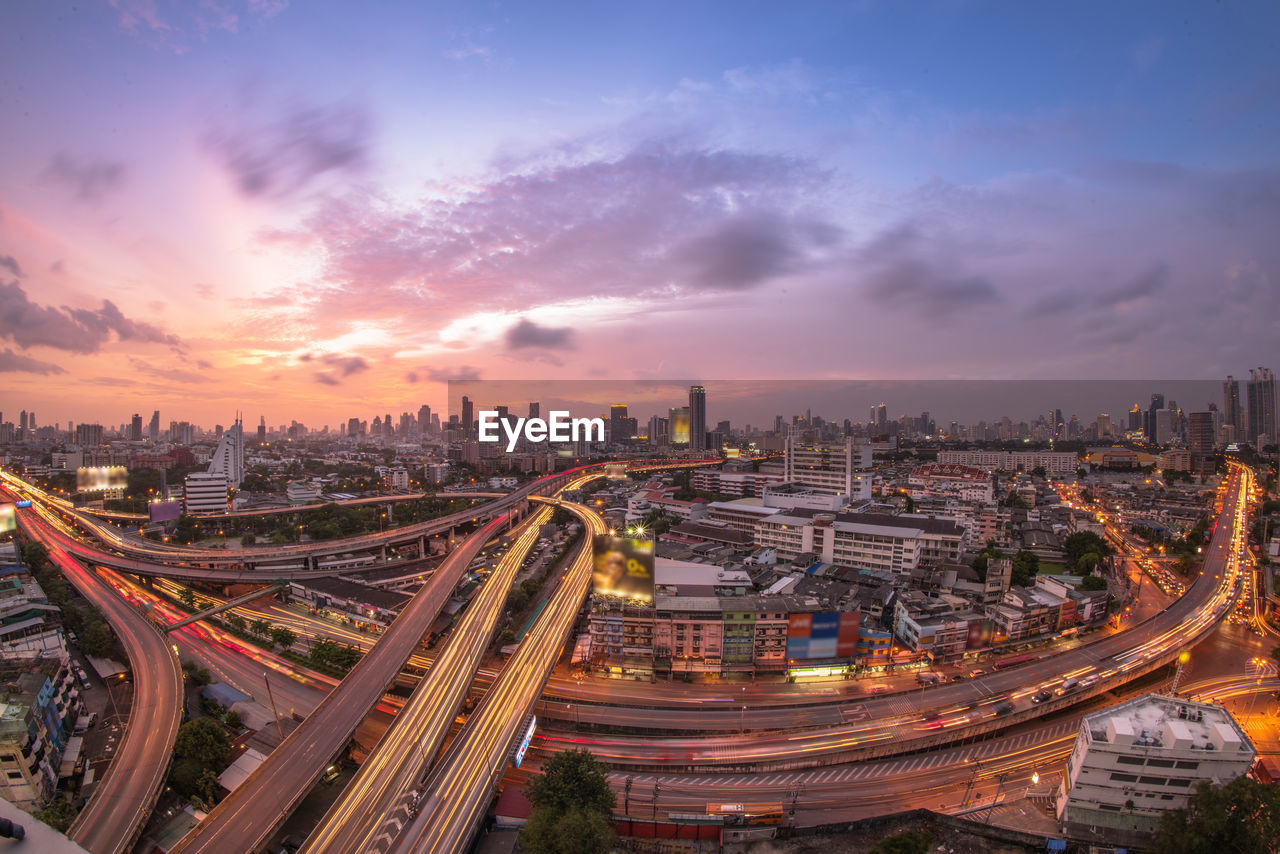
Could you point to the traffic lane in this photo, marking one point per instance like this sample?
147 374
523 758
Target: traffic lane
123 800
247 816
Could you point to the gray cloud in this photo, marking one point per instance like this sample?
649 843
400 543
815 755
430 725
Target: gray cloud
326 379
10 263
89 180
749 250
347 364
1146 284
904 273
299 143
526 333
76 330
16 362
411 377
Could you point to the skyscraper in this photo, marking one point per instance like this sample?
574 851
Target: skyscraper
697 418
1201 436
1261 394
135 428
678 425
1231 413
1157 403
618 423
153 429
262 430
535 409
424 420
228 457
468 416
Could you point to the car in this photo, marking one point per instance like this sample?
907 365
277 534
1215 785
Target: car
974 674
1041 697
1004 708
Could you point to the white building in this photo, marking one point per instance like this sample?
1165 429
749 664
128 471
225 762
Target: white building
863 541
228 457
948 480
1136 761
842 469
205 493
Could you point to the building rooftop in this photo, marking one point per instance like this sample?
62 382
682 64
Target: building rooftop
1169 723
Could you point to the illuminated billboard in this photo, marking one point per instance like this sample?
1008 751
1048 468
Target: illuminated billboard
980 634
164 511
101 478
8 518
616 471
623 567
826 634
524 742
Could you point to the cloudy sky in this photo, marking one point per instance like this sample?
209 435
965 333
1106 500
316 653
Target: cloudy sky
317 210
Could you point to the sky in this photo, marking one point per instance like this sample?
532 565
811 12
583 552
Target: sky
313 211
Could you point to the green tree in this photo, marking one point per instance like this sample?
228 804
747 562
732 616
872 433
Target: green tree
260 628
237 622
574 831
1081 543
1185 565
283 637
97 639
1242 817
187 597
248 540
572 806
1025 566
35 556
906 842
58 813
1093 582
572 778
203 740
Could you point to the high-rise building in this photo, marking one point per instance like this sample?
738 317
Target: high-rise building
658 434
262 430
205 493
844 469
535 409
22 420
88 435
468 416
153 429
353 428
1135 418
678 425
228 457
697 418
424 420
1261 395
1231 413
135 428
882 416
1201 433
618 423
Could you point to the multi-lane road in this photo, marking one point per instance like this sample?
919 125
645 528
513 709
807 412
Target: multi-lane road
249 815
114 816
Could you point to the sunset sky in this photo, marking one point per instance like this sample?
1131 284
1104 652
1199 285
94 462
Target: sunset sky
312 211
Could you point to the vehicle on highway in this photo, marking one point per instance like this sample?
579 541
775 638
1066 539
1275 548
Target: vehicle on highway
974 674
1041 697
1004 708
1069 685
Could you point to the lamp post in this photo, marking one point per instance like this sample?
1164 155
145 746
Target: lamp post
1183 658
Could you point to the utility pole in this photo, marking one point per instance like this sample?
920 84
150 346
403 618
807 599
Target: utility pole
996 800
656 789
275 714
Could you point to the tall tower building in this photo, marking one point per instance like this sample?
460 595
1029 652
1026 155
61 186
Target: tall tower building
535 409
678 425
1201 433
228 457
262 429
153 429
424 420
618 423
1261 394
135 428
697 418
468 416
1157 403
1231 413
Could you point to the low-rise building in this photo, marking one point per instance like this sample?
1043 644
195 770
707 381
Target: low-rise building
1134 762
38 711
205 493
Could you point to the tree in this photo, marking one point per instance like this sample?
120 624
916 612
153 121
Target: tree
260 628
906 842
1185 565
1081 543
575 831
572 806
187 597
572 778
1038 472
203 740
1093 582
58 813
1242 817
35 556
283 637
237 622
97 639
1087 563
248 540
1025 566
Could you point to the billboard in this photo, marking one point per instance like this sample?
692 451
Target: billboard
164 511
623 567
8 518
101 478
524 742
826 634
616 471
981 633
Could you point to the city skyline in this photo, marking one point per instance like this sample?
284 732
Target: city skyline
242 207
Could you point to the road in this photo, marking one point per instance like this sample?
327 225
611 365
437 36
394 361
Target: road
877 726
378 795
458 790
248 816
116 813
